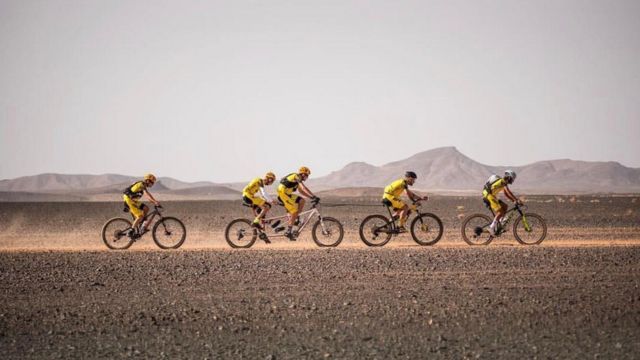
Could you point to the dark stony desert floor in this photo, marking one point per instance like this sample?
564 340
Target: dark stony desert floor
447 302
577 295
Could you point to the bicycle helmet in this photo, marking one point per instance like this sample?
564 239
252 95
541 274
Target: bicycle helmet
270 176
150 177
510 176
304 170
410 174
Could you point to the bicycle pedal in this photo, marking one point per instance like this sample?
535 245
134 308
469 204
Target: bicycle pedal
279 229
275 224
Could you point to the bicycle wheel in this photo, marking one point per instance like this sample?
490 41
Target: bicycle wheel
375 230
475 230
536 232
240 234
169 233
327 232
426 229
115 234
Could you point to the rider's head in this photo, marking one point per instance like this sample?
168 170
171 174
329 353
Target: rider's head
269 178
149 179
509 176
410 177
304 172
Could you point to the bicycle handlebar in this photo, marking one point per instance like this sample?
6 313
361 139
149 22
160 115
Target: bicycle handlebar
520 207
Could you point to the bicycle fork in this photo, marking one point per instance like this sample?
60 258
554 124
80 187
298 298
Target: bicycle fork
325 232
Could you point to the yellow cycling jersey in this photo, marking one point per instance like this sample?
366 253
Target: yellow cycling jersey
495 187
253 187
289 183
136 190
396 188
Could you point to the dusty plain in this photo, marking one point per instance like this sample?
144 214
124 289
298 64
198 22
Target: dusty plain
577 295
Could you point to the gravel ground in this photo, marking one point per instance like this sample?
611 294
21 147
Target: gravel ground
440 302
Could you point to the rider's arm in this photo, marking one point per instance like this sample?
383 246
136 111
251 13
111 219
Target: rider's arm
304 190
413 196
153 200
510 195
264 195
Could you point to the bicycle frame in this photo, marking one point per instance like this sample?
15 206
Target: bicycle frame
415 206
508 217
150 216
305 217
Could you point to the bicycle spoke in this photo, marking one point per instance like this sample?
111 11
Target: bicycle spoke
475 230
169 233
240 234
375 230
530 229
115 234
327 232
426 229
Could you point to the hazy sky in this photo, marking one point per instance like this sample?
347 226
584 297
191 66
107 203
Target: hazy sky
225 90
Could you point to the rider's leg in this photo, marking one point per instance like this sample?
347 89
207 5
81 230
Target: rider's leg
295 206
265 209
298 208
499 214
399 207
136 209
263 212
137 221
404 214
145 211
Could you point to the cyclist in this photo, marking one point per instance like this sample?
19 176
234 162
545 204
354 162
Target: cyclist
391 197
260 205
132 196
292 202
492 188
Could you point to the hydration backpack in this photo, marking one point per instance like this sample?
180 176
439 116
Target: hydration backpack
492 179
289 184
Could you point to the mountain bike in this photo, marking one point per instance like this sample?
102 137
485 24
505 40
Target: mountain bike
377 230
528 228
168 232
326 231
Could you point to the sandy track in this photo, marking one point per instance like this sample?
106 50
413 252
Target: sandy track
71 242
444 302
78 225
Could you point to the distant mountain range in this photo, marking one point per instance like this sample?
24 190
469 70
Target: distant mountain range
441 170
106 187
448 170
